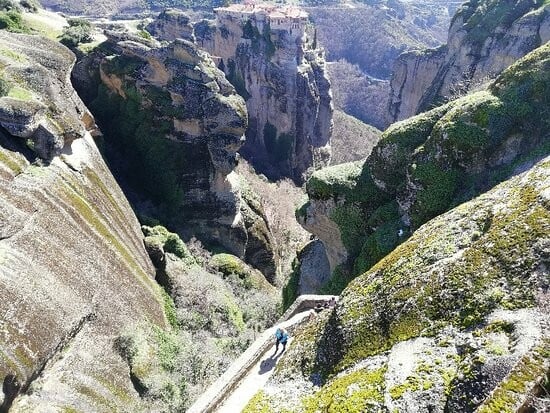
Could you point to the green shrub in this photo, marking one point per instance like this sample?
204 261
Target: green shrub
79 31
12 21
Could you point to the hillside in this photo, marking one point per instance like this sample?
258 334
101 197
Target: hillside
352 139
454 319
427 164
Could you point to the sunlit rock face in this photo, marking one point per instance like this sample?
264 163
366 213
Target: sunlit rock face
484 39
272 58
178 124
73 270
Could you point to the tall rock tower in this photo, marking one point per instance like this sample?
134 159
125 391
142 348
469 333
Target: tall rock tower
270 55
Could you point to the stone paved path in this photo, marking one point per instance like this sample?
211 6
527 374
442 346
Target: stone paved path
258 375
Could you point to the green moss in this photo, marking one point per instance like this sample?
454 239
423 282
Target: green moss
399 299
350 219
10 54
229 264
169 241
23 357
338 180
92 217
386 225
20 93
167 348
140 135
170 310
11 163
510 394
438 187
397 145
117 391
354 392
259 403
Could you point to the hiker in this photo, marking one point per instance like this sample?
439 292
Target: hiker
284 340
332 302
278 337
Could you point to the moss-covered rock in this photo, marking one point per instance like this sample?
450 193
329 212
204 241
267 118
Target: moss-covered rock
456 300
425 165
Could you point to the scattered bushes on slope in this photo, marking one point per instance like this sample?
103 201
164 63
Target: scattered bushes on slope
215 306
11 18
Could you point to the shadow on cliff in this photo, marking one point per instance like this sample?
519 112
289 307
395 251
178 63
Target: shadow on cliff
15 144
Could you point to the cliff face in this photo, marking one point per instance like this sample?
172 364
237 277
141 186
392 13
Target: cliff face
276 66
485 37
427 164
454 319
178 124
73 270
24 114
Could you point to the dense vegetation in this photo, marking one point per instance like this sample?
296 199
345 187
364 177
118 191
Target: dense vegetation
78 31
11 18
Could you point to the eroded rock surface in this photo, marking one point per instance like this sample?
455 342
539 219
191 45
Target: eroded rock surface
454 319
40 104
73 269
179 123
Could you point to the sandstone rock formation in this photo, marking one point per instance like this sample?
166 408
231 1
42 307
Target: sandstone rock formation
73 269
454 319
485 37
178 124
32 82
314 268
170 25
275 64
427 164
